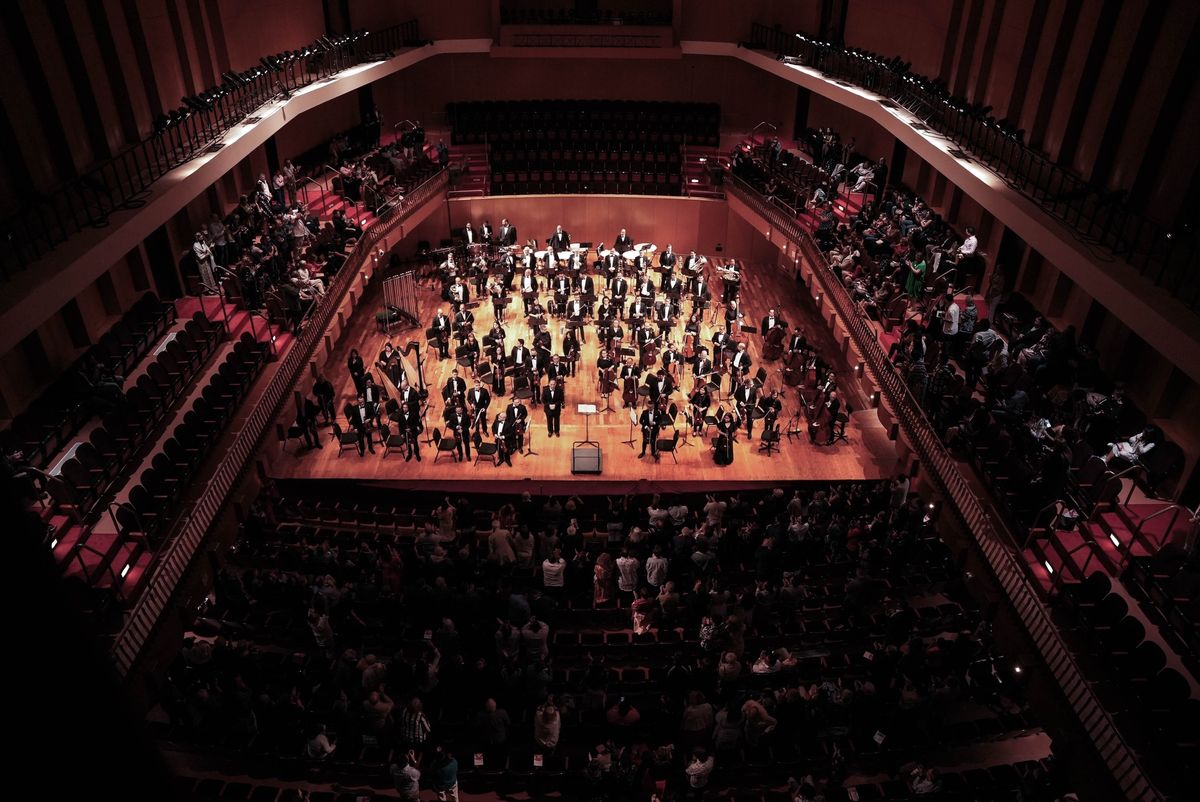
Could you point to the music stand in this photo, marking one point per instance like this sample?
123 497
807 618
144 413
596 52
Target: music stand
633 421
587 411
748 329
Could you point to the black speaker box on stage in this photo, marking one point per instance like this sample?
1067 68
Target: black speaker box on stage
585 458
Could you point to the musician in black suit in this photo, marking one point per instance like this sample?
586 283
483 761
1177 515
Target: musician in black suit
651 422
528 286
553 400
646 288
587 286
667 258
508 233
485 233
519 359
306 422
478 401
727 426
746 398
610 265
701 401
672 287
517 413
455 389
499 366
460 294
557 370
469 235
770 321
559 240
741 360
720 340
538 359
641 261
410 427
619 289
638 310
464 321
323 390
799 342
410 397
458 423
702 366
358 371
441 327
691 263
622 243
358 418
505 433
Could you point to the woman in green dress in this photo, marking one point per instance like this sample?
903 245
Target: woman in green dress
915 283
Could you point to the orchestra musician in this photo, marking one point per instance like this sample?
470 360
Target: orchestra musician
610 265
557 370
508 263
358 371
727 425
622 243
359 419
732 315
498 292
389 363
485 233
629 379
641 262
469 235
826 418
770 321
479 272
700 401
478 401
671 359
410 397
506 439
693 264
441 328
559 240
519 358
410 427
667 258
372 396
528 288
664 315
508 233
650 422
746 398
720 340
733 282
570 349
464 322
459 425
587 286
646 288
672 287
518 417
638 310
553 400
498 367
538 358
741 361
455 389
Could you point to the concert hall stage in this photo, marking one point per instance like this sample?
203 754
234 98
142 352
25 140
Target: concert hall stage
869 454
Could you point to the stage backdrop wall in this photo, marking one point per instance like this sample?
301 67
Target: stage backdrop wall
684 222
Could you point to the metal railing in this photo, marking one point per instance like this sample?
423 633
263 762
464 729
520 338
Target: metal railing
1102 218
942 470
123 181
180 552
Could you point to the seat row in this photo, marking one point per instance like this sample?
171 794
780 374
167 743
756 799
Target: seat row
593 182
590 159
100 461
62 409
151 502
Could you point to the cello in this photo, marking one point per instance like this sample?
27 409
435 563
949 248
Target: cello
689 346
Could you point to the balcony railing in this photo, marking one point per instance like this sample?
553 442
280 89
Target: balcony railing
942 469
124 181
1101 218
182 549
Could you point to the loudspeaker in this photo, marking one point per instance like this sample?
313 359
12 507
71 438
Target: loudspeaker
585 458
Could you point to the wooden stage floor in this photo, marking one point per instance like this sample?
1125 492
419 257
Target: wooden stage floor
869 454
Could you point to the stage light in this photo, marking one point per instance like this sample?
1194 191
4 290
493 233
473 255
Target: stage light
1116 541
1049 567
932 505
875 399
125 570
695 180
53 544
704 160
1016 669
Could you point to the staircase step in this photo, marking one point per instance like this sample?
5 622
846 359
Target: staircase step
136 579
1042 577
67 539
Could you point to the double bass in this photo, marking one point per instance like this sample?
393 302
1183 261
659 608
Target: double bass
773 343
629 393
